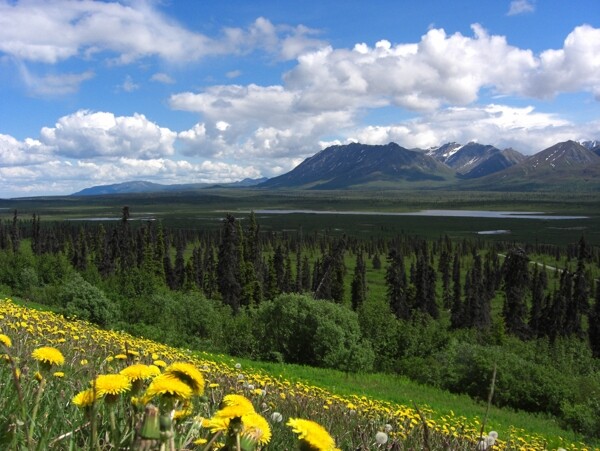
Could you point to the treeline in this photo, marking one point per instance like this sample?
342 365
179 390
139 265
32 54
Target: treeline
442 312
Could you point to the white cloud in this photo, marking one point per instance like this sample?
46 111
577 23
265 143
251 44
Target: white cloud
56 177
162 78
49 32
129 85
521 7
52 84
86 134
21 153
233 74
503 126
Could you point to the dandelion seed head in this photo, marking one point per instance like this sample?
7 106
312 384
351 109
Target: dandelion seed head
381 438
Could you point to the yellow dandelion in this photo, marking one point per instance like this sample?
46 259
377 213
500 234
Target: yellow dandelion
313 434
48 355
216 424
85 398
139 372
256 428
168 385
234 406
188 373
160 363
59 374
112 384
185 412
121 357
5 340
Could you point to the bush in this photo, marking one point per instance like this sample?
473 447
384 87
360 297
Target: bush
83 300
313 332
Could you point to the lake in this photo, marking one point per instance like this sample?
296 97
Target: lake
443 213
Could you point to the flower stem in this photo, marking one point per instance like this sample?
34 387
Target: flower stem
34 412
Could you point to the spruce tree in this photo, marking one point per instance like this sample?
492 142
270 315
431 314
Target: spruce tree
594 324
538 287
395 278
305 274
228 264
457 314
515 273
359 283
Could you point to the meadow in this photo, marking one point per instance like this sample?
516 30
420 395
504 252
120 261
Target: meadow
50 366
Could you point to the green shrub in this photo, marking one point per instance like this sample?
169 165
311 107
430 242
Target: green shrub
313 332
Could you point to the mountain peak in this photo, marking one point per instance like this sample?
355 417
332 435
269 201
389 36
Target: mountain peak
344 166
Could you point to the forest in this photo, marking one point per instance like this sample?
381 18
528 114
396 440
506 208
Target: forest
442 311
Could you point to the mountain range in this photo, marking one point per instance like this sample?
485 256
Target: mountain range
568 166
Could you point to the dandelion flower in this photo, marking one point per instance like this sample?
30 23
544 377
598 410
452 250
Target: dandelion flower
59 374
112 384
234 406
381 438
160 363
168 385
313 434
85 398
276 417
5 340
48 355
256 428
140 371
188 373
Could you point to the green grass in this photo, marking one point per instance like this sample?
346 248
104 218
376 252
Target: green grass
401 390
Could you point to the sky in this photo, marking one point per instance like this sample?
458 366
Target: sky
102 92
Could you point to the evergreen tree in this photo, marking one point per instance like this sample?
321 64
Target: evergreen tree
538 287
444 269
594 324
179 271
359 283
376 262
480 300
15 233
298 283
424 282
515 273
395 278
305 274
168 265
210 284
581 291
457 314
228 264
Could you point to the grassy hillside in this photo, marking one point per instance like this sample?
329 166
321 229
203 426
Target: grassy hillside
39 402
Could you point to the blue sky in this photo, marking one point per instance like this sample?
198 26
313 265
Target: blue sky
95 93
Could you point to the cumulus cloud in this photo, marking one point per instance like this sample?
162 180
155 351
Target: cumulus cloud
442 76
86 134
49 32
521 7
523 129
262 122
21 153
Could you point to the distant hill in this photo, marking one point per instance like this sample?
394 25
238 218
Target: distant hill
149 187
355 165
567 165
